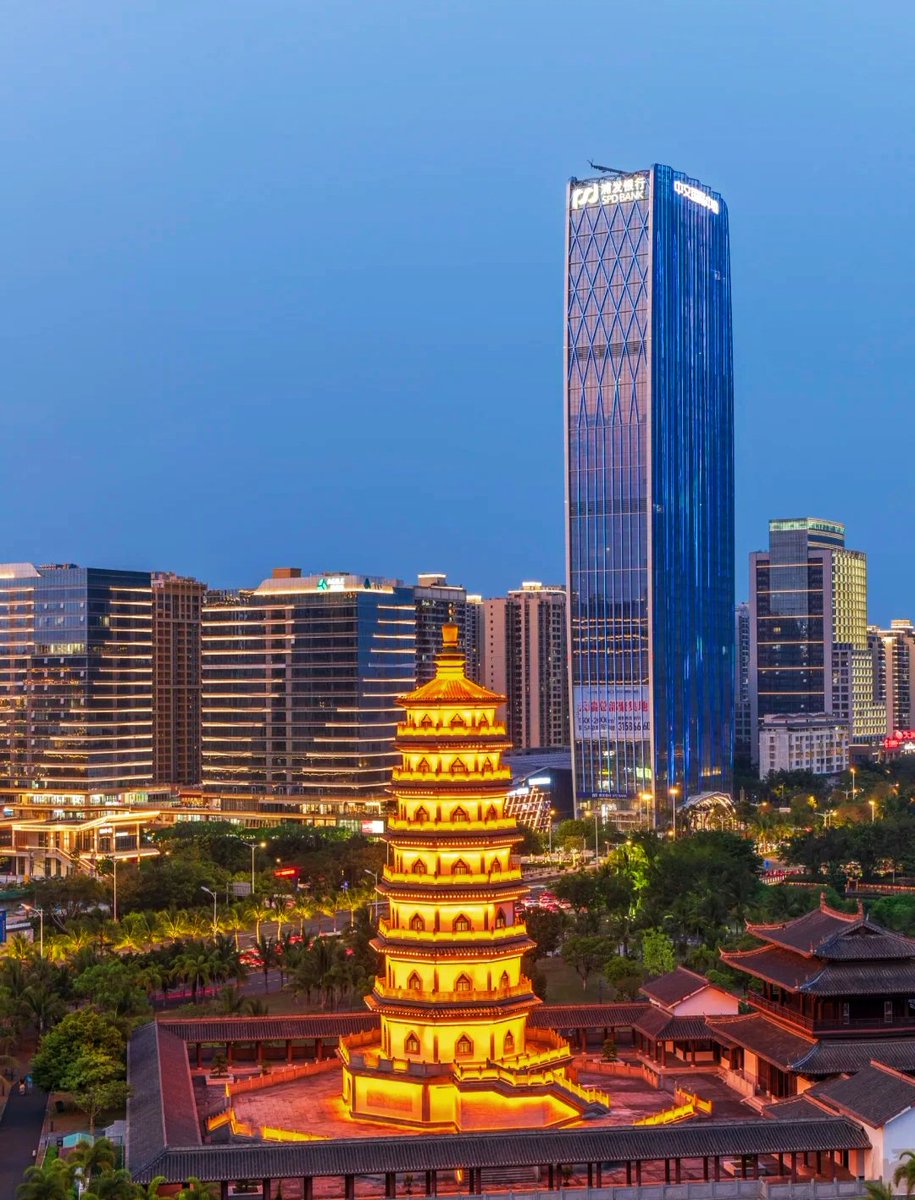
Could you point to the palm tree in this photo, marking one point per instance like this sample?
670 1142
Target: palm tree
151 1191
196 965
877 1190
258 912
267 948
93 1158
51 1182
113 1185
303 909
905 1172
234 922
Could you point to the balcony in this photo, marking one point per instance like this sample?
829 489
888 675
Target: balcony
442 937
453 828
512 875
828 1024
385 991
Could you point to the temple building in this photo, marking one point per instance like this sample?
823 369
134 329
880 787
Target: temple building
454 1049
836 991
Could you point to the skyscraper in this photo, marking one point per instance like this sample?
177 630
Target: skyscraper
743 717
177 610
76 686
300 681
650 491
808 620
438 603
893 657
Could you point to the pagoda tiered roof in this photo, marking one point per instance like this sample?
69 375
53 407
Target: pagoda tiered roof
797 973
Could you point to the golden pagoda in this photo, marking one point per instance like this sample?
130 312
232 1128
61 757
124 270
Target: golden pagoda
454 1050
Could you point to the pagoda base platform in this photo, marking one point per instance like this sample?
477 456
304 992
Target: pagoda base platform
467 1098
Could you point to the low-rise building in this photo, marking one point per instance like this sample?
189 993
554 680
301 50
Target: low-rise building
803 742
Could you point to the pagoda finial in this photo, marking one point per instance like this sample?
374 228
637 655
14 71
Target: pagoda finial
450 636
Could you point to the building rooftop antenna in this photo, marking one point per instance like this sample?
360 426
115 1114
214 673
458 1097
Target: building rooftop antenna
606 170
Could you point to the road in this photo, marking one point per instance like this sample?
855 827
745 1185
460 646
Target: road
20 1129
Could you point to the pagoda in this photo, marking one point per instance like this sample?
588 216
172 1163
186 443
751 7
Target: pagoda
454 1050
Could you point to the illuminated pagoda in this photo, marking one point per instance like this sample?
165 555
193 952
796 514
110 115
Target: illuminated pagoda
454 1050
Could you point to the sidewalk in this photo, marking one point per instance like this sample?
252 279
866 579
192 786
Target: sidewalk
20 1130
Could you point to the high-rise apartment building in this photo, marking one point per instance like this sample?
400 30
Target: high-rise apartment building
474 634
743 723
76 678
300 683
177 610
650 487
808 618
438 603
893 658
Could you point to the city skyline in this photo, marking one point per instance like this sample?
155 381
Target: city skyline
148 323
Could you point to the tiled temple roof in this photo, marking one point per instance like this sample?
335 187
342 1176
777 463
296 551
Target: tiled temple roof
675 986
874 1094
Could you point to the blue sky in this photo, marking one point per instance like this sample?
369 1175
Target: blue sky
281 281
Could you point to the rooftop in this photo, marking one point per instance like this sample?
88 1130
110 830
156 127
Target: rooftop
675 986
876 1094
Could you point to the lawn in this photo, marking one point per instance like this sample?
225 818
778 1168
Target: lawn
563 986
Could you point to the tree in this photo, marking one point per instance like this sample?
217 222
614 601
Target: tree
624 975
905 1172
78 1033
95 1082
115 987
657 952
546 928
115 1185
585 953
92 1158
51 1182
196 1190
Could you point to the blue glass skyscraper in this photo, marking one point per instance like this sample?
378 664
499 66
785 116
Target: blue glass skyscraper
650 489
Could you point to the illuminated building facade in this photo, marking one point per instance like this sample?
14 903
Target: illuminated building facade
177 612
76 678
650 487
454 1048
809 650
438 603
300 679
893 657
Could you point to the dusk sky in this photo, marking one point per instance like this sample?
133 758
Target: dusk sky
281 282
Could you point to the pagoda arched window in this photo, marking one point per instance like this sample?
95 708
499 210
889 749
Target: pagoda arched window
463 983
423 766
421 816
426 722
491 814
417 923
460 868
487 766
414 983
508 1046
482 723
458 767
496 866
500 919
411 1045
463 1047
461 924
504 982
419 867
458 815
457 721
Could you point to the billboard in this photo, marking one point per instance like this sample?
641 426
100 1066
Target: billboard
620 711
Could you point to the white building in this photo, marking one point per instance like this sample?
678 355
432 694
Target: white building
816 742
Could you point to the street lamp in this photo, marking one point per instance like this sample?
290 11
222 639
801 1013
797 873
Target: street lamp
646 798
114 890
40 911
873 804
596 847
254 846
210 892
854 772
673 791
550 829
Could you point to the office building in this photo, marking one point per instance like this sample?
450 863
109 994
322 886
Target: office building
438 603
811 742
650 500
893 658
808 618
743 723
300 683
474 635
177 611
76 678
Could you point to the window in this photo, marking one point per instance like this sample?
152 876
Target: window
423 767
496 866
421 816
414 983
463 1047
419 867
461 924
426 722
491 814
504 981
458 815
500 919
411 1045
463 983
458 767
417 923
457 721
508 1046
487 766
460 868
